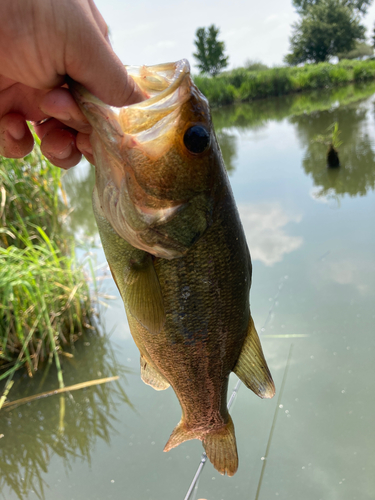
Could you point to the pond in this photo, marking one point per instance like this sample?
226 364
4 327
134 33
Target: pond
311 235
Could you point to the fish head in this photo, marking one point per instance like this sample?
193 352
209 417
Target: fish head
156 160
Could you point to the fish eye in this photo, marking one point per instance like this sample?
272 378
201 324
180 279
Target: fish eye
197 139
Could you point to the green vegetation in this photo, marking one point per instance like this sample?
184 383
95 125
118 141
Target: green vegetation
244 85
332 137
44 296
359 6
210 52
326 28
332 140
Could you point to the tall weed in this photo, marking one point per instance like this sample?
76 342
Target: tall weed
44 295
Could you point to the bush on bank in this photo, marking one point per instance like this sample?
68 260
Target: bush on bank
243 85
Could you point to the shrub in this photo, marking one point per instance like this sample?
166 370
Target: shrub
241 84
364 71
217 90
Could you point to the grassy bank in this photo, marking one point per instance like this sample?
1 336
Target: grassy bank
44 296
244 85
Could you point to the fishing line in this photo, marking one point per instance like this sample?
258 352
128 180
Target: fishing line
194 484
274 422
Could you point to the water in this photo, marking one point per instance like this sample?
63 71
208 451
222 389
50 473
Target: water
312 239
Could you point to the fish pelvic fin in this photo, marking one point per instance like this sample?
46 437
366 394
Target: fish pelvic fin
252 367
151 376
220 445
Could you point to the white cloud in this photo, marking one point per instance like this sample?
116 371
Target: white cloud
264 226
346 271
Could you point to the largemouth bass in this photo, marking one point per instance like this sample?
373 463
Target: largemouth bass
177 251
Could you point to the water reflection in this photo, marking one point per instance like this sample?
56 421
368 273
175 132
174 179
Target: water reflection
312 113
78 184
356 176
228 146
264 226
34 433
257 114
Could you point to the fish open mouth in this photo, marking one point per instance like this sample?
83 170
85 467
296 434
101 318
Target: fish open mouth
145 124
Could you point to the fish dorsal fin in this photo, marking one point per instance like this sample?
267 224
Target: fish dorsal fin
142 294
252 367
151 376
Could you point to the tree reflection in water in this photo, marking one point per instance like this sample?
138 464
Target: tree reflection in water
33 434
356 175
228 146
312 113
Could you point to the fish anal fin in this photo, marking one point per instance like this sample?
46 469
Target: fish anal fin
252 367
179 435
151 376
220 445
142 294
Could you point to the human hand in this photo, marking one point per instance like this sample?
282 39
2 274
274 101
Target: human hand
41 41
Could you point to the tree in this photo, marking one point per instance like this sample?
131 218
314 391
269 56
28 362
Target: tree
326 29
361 50
360 6
210 52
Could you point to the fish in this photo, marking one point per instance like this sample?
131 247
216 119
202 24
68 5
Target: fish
174 242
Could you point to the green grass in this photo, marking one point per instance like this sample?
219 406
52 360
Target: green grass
244 85
44 295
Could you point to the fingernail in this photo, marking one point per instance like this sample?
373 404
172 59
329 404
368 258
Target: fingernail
17 130
64 153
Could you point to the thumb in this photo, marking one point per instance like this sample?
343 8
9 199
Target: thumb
93 63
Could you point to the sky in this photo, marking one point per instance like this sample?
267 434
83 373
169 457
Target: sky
152 32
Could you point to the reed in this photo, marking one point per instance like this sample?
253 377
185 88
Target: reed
45 300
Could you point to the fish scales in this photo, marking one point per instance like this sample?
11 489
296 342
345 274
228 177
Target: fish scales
175 245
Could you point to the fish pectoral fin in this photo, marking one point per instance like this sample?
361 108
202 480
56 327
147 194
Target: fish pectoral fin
252 367
220 445
142 294
134 273
151 376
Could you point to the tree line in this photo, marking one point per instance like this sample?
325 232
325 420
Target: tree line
326 28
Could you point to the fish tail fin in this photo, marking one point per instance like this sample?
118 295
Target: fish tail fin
181 434
221 449
220 445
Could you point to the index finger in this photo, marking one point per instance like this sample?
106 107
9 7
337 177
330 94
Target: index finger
59 104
